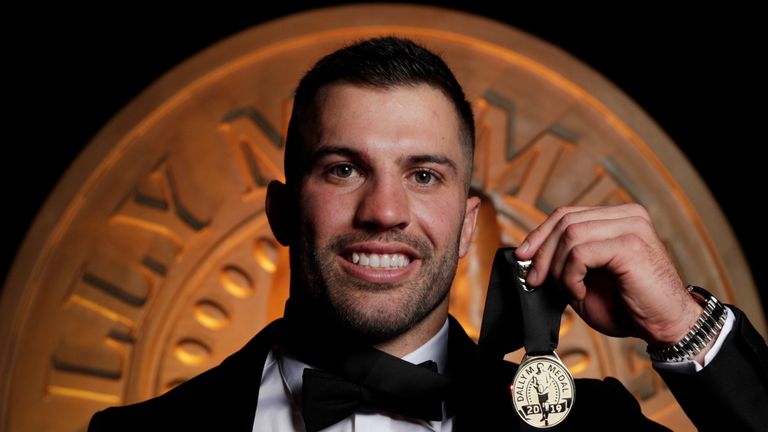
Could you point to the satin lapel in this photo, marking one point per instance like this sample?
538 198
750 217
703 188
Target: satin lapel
484 400
241 375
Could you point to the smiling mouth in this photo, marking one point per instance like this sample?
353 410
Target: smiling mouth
380 261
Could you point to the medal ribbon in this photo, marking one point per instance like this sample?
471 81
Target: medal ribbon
516 317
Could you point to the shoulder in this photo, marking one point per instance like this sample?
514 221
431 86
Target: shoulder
203 401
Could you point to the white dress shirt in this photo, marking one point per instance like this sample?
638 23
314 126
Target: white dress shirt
278 408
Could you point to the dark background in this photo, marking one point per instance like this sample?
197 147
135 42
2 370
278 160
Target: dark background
697 72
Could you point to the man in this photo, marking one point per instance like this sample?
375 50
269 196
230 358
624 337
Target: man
376 213
541 381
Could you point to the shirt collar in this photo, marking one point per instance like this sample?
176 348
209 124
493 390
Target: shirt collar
435 349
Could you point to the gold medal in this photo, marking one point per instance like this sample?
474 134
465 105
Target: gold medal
542 390
516 315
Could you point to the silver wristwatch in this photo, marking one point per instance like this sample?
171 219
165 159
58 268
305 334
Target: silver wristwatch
706 328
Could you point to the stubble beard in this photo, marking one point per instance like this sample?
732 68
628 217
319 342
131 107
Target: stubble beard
376 312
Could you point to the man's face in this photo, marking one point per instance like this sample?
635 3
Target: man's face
383 210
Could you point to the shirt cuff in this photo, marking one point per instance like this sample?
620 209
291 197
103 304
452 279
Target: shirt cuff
692 366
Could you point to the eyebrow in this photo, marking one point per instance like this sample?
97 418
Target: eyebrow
433 158
334 150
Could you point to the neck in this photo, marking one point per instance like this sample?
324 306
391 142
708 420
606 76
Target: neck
417 335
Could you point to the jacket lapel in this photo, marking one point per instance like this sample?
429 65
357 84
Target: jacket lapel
240 379
483 402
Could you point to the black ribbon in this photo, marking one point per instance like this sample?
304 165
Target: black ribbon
515 317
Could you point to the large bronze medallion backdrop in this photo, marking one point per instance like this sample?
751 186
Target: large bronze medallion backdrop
152 260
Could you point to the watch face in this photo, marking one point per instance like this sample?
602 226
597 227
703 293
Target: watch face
153 260
543 392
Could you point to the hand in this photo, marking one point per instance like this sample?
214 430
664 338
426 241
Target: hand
615 270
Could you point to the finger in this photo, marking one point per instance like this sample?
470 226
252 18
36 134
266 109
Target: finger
591 231
533 241
542 242
535 238
593 255
634 265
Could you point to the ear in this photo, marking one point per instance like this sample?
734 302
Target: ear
468 225
279 211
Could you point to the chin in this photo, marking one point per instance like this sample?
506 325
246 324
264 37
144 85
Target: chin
382 316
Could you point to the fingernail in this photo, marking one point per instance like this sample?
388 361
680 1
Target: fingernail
524 247
531 275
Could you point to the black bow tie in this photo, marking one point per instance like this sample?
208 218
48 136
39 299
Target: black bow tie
328 398
357 376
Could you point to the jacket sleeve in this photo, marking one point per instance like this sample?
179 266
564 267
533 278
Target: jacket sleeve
732 390
116 420
97 423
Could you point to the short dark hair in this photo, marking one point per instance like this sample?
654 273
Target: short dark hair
383 62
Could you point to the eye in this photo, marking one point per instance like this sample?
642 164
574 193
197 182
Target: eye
425 177
343 170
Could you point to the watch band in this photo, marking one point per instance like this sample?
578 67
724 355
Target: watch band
706 328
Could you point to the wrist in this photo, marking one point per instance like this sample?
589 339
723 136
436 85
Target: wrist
698 339
677 329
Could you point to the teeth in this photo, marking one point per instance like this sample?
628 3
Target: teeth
386 261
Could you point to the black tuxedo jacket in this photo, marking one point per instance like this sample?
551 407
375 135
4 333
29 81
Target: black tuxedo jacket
731 391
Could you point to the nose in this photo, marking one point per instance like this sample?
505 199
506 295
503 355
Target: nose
383 205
